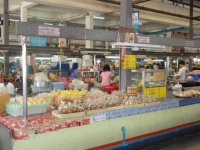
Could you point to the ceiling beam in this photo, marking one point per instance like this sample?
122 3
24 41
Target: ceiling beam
23 4
151 10
140 1
184 3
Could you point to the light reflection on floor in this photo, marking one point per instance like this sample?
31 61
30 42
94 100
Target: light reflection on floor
192 144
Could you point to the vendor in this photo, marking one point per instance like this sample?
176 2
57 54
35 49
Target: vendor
183 72
106 76
73 73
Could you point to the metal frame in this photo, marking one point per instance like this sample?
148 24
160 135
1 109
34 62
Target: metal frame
27 29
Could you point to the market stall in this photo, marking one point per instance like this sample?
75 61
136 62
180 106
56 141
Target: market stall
96 120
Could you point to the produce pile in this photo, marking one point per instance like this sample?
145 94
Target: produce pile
189 93
79 101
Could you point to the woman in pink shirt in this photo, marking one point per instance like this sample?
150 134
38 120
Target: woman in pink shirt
106 76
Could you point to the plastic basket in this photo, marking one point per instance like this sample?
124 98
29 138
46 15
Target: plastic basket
195 77
40 89
33 109
58 85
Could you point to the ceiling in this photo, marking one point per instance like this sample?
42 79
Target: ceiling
57 10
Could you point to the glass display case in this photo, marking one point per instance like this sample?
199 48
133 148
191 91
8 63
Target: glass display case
153 81
54 74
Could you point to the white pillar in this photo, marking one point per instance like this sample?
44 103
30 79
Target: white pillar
89 25
107 44
2 33
23 14
169 48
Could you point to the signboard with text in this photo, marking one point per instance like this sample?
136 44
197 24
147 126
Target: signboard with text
38 41
129 62
135 21
196 32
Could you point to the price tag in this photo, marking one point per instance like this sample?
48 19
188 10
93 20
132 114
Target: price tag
103 116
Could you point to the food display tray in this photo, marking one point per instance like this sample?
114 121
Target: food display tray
136 105
153 103
116 107
90 112
57 114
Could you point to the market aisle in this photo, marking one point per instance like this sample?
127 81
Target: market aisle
192 144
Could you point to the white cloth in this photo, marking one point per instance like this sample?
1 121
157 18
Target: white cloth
183 73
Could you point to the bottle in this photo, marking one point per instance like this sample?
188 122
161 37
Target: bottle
2 88
10 88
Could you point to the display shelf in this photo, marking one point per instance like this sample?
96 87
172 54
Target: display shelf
91 112
94 73
57 114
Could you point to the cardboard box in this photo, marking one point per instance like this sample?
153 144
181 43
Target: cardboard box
4 98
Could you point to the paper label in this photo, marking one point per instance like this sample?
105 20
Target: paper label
48 31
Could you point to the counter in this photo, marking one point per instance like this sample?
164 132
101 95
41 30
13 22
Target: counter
172 118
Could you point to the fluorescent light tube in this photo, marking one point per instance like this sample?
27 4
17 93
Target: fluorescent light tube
138 45
44 58
95 52
98 17
158 60
14 20
112 57
48 24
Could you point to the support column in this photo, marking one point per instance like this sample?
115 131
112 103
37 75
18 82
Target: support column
106 44
23 14
125 21
191 30
89 25
169 48
6 35
191 20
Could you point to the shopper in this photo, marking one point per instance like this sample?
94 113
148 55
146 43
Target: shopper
106 76
73 73
183 72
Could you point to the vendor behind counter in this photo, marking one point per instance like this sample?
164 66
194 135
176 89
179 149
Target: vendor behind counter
182 74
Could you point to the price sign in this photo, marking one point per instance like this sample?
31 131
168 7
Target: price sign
158 91
48 31
129 62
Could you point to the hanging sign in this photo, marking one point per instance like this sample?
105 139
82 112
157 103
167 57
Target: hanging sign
62 42
135 17
38 41
129 62
196 32
48 31
191 50
135 21
189 43
143 39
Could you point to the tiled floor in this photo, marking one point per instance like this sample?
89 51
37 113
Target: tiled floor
192 144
